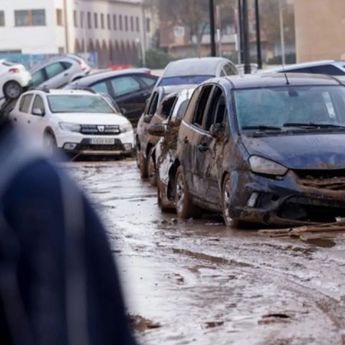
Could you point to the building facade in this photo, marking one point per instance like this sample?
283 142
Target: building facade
320 29
117 30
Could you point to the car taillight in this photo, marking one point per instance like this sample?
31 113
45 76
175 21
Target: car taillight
14 70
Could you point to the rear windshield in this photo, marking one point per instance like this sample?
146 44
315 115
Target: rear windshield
188 80
78 104
282 107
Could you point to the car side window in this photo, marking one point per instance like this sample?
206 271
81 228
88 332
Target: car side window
124 85
229 69
38 104
25 102
54 69
148 81
38 77
153 104
201 105
167 106
100 87
66 65
326 69
216 109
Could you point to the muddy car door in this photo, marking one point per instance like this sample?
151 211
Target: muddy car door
195 141
212 145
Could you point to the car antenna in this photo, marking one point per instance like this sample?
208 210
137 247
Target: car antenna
285 75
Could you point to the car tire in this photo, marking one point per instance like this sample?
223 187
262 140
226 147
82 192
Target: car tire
50 142
143 166
164 207
226 195
151 168
183 202
12 90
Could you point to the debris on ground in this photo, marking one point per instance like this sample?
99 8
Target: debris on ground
212 324
141 324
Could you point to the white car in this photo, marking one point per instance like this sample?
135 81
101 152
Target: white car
59 71
78 122
14 79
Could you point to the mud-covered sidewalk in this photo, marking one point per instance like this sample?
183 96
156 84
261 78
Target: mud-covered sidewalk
199 282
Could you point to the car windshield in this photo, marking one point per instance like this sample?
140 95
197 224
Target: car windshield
290 107
184 80
78 104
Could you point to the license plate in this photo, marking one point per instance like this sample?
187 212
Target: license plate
102 141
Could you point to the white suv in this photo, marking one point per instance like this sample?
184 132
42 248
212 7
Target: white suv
59 71
74 121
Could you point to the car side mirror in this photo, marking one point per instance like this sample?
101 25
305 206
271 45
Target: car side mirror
217 130
157 130
123 111
147 118
38 112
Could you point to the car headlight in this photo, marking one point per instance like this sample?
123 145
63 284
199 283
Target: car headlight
127 127
71 127
265 166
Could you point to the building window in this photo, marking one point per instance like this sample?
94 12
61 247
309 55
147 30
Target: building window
59 17
102 20
89 25
132 24
30 17
81 19
95 16
114 22
109 21
2 18
137 24
120 22
75 19
126 23
148 25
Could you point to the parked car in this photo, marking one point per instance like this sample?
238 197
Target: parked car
78 122
156 111
164 153
330 67
129 88
14 79
265 149
59 71
194 71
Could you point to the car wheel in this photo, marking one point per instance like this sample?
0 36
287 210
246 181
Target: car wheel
226 194
50 143
151 169
183 202
12 90
142 166
164 207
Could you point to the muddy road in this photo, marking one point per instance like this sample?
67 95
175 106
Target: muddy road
199 282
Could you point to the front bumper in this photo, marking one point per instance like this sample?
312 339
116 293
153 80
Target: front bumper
76 143
283 201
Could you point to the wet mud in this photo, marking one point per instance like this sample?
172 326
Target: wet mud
200 282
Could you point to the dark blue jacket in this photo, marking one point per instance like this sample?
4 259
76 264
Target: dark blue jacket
66 288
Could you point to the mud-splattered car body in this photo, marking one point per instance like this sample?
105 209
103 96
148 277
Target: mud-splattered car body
280 169
165 150
155 112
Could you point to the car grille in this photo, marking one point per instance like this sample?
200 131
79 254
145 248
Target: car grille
100 129
322 179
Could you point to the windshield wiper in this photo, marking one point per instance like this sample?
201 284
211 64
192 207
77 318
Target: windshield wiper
262 128
312 125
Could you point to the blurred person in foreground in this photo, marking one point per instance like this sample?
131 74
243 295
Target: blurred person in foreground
58 280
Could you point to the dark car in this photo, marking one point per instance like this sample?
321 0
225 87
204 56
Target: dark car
264 149
164 153
129 88
156 111
194 71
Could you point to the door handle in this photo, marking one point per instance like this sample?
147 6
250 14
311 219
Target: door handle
15 119
203 147
29 121
185 140
65 75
